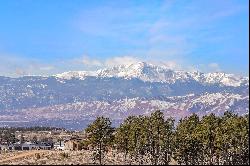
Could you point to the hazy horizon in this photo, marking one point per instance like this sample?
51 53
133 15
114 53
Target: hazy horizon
128 64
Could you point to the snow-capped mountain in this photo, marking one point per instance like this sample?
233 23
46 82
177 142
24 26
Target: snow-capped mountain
148 72
77 97
75 74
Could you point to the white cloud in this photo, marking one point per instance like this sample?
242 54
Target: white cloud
47 68
88 62
214 67
210 67
122 60
14 66
91 62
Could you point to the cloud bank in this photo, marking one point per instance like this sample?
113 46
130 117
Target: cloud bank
24 67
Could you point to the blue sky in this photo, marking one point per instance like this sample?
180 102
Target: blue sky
43 37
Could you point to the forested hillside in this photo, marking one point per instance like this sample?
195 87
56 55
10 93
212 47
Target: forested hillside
156 140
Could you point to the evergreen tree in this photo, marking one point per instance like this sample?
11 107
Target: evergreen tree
206 132
188 148
122 137
235 145
100 136
168 142
138 138
157 133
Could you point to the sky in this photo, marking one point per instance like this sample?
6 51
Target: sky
44 37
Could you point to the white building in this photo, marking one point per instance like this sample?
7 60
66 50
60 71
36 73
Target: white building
29 146
59 145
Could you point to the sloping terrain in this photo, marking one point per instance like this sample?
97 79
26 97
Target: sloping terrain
73 99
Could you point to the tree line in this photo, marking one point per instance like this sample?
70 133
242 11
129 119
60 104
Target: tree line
8 133
209 140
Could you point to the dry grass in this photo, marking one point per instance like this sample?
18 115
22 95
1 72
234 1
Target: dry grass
65 158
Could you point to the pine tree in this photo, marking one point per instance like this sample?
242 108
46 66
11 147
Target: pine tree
138 138
206 132
188 148
100 136
158 131
168 142
235 131
122 137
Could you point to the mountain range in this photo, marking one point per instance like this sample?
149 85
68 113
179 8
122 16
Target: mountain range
73 99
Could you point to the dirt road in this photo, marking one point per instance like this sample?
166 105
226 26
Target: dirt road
22 155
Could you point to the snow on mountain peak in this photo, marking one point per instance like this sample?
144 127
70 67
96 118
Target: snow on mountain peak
225 79
141 70
75 74
153 73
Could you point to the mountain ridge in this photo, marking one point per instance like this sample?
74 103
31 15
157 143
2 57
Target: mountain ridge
152 73
74 98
